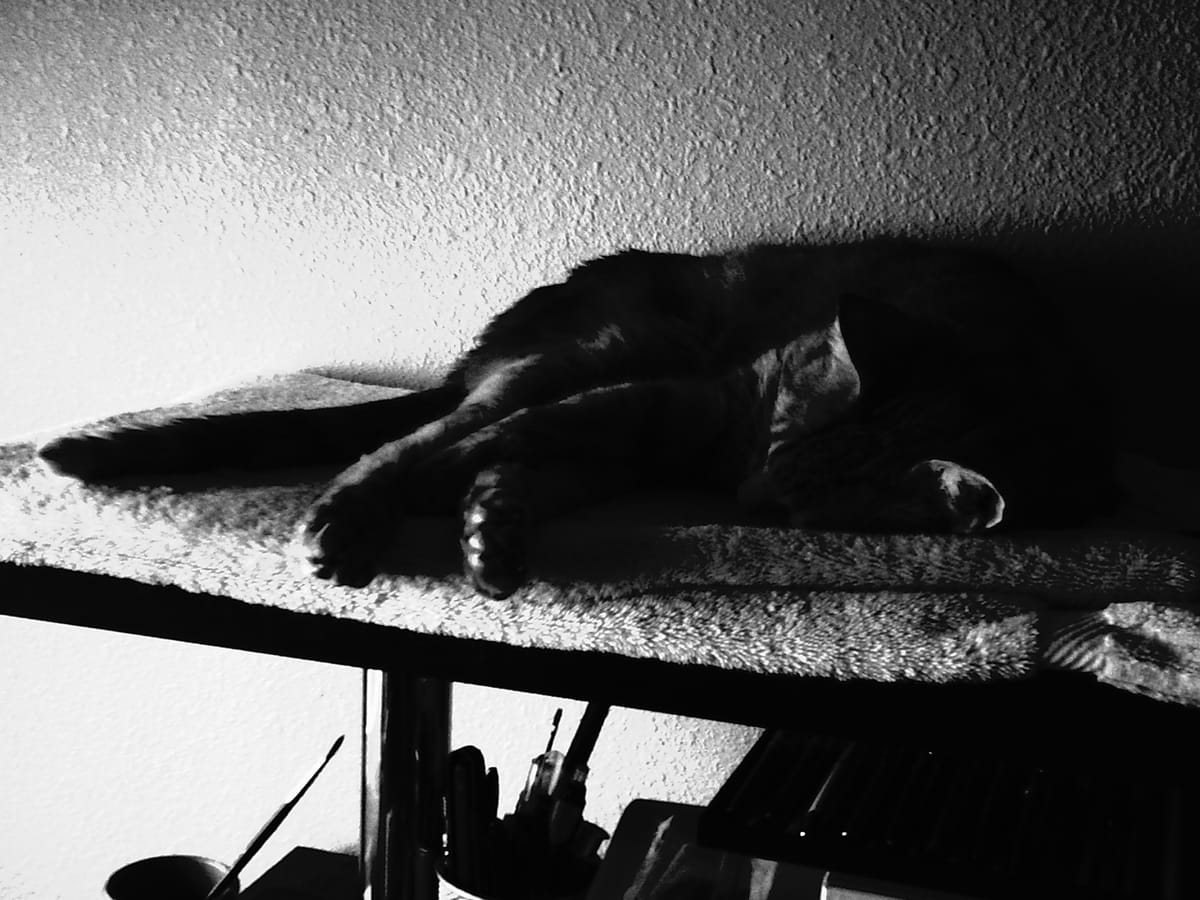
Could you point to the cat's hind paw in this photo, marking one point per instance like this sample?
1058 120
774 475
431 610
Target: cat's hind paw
343 536
494 530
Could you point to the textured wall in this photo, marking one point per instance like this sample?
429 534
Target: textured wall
190 191
209 188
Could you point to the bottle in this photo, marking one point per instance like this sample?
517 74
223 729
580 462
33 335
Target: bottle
566 804
544 773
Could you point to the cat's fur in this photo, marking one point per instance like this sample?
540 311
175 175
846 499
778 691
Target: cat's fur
868 386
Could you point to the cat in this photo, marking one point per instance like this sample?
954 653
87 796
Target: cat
872 386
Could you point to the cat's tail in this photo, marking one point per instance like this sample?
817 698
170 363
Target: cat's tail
247 440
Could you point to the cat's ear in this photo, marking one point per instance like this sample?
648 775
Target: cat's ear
818 380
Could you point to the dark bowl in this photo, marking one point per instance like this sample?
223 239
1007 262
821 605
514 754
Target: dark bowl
168 878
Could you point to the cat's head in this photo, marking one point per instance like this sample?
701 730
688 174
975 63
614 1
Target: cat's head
859 408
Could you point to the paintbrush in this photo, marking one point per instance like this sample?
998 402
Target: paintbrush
273 823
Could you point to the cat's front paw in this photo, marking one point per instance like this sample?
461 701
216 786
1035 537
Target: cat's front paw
345 533
494 529
954 498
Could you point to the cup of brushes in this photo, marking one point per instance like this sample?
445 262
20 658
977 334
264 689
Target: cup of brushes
544 847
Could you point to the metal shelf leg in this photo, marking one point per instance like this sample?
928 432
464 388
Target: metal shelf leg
406 737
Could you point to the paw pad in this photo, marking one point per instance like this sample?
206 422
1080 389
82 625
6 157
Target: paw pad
493 536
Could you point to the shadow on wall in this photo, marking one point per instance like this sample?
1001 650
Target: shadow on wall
1129 295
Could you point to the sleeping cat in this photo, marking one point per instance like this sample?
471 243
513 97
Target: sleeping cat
874 386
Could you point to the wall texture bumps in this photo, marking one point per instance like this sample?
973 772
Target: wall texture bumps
193 191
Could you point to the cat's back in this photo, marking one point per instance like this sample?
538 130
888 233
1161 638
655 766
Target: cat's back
706 309
631 315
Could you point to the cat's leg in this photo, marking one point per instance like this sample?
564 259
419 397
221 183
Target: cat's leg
671 428
605 325
345 529
506 502
592 448
347 524
247 440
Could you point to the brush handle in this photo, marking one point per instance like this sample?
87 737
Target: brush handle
585 735
269 829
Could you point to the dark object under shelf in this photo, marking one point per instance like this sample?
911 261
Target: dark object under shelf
995 824
308 874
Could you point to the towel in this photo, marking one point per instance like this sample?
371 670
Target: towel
677 578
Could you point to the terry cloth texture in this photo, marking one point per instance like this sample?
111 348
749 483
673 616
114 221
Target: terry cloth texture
673 579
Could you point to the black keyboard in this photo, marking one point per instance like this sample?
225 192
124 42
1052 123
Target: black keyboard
988 825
